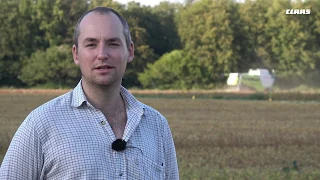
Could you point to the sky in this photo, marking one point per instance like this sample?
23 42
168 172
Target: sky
148 2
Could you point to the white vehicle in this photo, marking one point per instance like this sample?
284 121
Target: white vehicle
258 79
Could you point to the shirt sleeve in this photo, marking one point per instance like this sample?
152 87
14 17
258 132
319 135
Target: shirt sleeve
23 158
171 164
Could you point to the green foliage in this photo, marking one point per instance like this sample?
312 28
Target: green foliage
55 66
146 40
284 42
215 36
290 40
167 35
143 55
172 71
164 73
18 32
57 19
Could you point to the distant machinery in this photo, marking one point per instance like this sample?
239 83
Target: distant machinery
257 79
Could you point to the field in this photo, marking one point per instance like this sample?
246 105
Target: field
218 139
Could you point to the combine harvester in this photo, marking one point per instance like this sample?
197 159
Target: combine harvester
258 80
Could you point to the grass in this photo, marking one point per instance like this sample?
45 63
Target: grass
219 139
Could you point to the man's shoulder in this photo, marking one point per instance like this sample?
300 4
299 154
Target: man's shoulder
44 116
54 106
154 117
151 112
148 110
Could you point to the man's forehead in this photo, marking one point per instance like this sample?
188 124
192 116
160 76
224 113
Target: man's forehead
96 17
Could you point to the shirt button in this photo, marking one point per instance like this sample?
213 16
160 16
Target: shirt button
136 161
103 123
120 174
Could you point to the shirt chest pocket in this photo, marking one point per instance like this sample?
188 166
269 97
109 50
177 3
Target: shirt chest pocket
141 167
152 170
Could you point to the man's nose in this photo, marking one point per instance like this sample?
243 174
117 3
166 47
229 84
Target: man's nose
103 52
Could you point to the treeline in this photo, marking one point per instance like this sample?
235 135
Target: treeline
177 46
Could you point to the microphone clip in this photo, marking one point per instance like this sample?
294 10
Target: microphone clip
119 145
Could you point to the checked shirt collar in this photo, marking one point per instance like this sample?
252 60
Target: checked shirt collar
134 108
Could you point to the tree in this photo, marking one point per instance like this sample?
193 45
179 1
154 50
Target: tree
19 37
213 34
53 66
173 70
57 19
292 43
165 37
29 26
139 19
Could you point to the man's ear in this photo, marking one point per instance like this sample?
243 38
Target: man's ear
131 52
75 54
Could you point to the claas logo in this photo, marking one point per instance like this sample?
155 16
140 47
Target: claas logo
298 11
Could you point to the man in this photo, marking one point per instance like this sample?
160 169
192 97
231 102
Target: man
98 130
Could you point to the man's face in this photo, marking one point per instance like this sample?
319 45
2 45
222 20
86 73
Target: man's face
102 53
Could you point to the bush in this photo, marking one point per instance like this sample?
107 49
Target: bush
173 70
53 66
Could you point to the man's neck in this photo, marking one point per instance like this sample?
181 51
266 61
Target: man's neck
104 98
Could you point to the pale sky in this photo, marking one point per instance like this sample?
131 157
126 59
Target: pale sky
148 2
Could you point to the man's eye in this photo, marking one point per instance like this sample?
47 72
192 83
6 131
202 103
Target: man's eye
90 45
114 44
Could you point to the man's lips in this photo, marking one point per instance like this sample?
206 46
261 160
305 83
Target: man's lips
104 67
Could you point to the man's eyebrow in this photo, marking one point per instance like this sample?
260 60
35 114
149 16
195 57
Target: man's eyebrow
113 39
90 40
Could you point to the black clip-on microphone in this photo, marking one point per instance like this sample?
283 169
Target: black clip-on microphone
119 145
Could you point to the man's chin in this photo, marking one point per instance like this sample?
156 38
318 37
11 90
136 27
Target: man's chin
106 83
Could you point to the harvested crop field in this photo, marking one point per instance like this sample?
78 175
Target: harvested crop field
218 139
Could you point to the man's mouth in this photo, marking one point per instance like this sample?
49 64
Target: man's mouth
104 67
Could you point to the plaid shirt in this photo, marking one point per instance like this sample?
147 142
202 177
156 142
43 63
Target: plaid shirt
67 138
